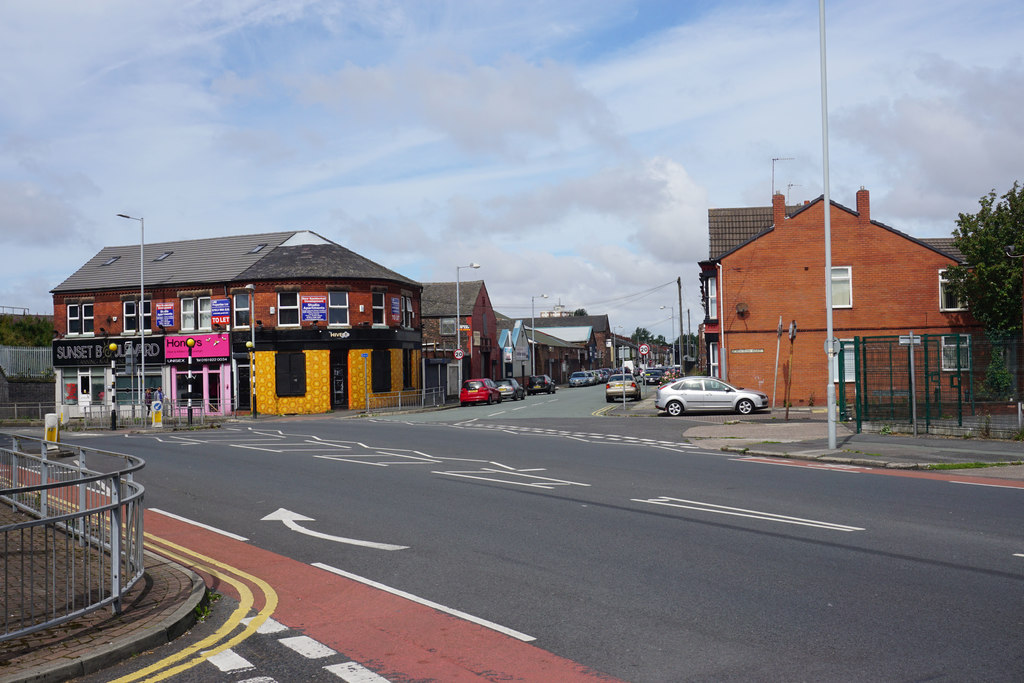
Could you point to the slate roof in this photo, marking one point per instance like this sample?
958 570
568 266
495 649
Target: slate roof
438 298
598 322
291 254
730 228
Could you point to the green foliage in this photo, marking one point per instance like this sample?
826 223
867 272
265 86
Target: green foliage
998 384
580 312
25 330
991 282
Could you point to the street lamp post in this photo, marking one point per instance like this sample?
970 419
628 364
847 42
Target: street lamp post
251 344
142 301
672 318
1011 251
533 339
458 317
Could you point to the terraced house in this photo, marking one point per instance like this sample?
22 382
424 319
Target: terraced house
322 327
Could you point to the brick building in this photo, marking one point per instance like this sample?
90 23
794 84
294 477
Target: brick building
330 327
768 263
478 334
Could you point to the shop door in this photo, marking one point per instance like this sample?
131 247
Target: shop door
84 385
339 380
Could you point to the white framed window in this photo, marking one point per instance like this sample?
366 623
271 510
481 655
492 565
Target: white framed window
196 314
287 308
842 287
956 352
241 309
849 372
447 327
130 311
407 311
713 359
80 319
712 298
337 308
947 300
378 308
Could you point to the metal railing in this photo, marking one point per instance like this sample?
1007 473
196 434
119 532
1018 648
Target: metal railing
405 400
80 546
26 361
129 415
25 411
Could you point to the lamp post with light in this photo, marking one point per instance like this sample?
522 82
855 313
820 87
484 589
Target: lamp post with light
458 317
533 340
1011 251
142 300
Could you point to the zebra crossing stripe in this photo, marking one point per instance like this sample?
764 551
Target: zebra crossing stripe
307 647
229 661
350 672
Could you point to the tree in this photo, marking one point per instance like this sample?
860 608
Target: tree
580 312
990 283
642 335
25 330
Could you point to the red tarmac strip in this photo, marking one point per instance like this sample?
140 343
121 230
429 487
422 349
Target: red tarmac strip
398 639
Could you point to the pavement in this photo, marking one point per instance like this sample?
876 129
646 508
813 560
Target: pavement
163 605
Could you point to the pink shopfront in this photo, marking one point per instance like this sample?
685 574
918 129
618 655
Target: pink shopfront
210 367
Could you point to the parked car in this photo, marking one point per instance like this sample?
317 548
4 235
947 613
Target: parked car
482 390
653 375
579 379
620 387
511 389
538 384
692 394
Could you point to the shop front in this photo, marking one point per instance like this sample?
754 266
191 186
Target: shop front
91 375
205 366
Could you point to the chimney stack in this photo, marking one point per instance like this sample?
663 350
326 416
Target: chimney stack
778 209
864 205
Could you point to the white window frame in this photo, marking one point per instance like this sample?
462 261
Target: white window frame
337 304
960 305
379 304
407 311
81 316
129 318
948 346
848 280
196 314
713 360
240 312
292 308
850 372
713 297
446 327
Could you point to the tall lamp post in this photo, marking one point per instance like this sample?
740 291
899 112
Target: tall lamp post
251 344
533 339
672 317
458 316
1011 251
142 301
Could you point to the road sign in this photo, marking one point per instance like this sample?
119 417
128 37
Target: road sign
910 339
644 349
459 353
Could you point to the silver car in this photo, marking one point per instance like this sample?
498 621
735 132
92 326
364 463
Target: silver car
692 394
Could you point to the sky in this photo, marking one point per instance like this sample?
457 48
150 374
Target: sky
571 148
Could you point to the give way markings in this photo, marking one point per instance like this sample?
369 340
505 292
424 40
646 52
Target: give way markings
391 633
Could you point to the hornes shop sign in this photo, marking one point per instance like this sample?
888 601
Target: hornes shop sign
70 353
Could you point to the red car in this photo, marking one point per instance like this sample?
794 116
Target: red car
479 391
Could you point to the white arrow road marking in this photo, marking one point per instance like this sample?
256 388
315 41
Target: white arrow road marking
291 520
740 512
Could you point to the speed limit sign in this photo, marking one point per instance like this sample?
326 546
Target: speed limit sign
644 349
459 353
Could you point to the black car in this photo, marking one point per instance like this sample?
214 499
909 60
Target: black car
540 384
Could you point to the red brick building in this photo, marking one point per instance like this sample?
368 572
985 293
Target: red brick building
768 263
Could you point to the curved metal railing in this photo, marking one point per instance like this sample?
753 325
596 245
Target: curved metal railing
72 537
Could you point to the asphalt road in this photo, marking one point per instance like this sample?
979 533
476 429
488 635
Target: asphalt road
615 544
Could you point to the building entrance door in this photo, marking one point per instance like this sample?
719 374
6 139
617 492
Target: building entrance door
339 380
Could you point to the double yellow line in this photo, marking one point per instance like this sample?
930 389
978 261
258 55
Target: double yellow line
222 639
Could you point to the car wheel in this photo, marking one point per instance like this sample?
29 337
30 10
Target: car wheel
745 406
674 408
462 403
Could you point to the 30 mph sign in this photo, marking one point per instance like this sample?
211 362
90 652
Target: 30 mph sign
644 349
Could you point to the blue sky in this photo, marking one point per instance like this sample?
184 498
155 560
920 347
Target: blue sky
571 148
